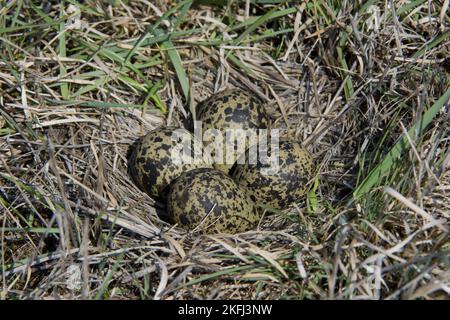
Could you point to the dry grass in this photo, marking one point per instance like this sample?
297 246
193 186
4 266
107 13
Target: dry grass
80 83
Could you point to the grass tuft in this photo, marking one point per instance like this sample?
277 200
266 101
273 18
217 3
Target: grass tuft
363 85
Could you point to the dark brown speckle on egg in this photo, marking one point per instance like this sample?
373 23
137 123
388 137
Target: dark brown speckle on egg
232 109
287 185
209 201
151 166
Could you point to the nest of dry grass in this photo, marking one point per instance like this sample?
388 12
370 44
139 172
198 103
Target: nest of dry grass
80 82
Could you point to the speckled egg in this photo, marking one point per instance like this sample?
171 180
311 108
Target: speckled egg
209 201
286 184
231 109
151 164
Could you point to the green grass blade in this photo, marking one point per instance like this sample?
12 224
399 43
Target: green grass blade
272 14
85 8
409 6
216 274
31 26
99 83
178 66
366 6
443 37
62 53
132 83
33 230
253 39
41 13
385 165
348 89
257 21
182 15
184 5
312 199
241 66
97 104
104 286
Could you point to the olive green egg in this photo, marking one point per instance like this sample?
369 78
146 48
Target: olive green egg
231 109
287 180
209 201
161 156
